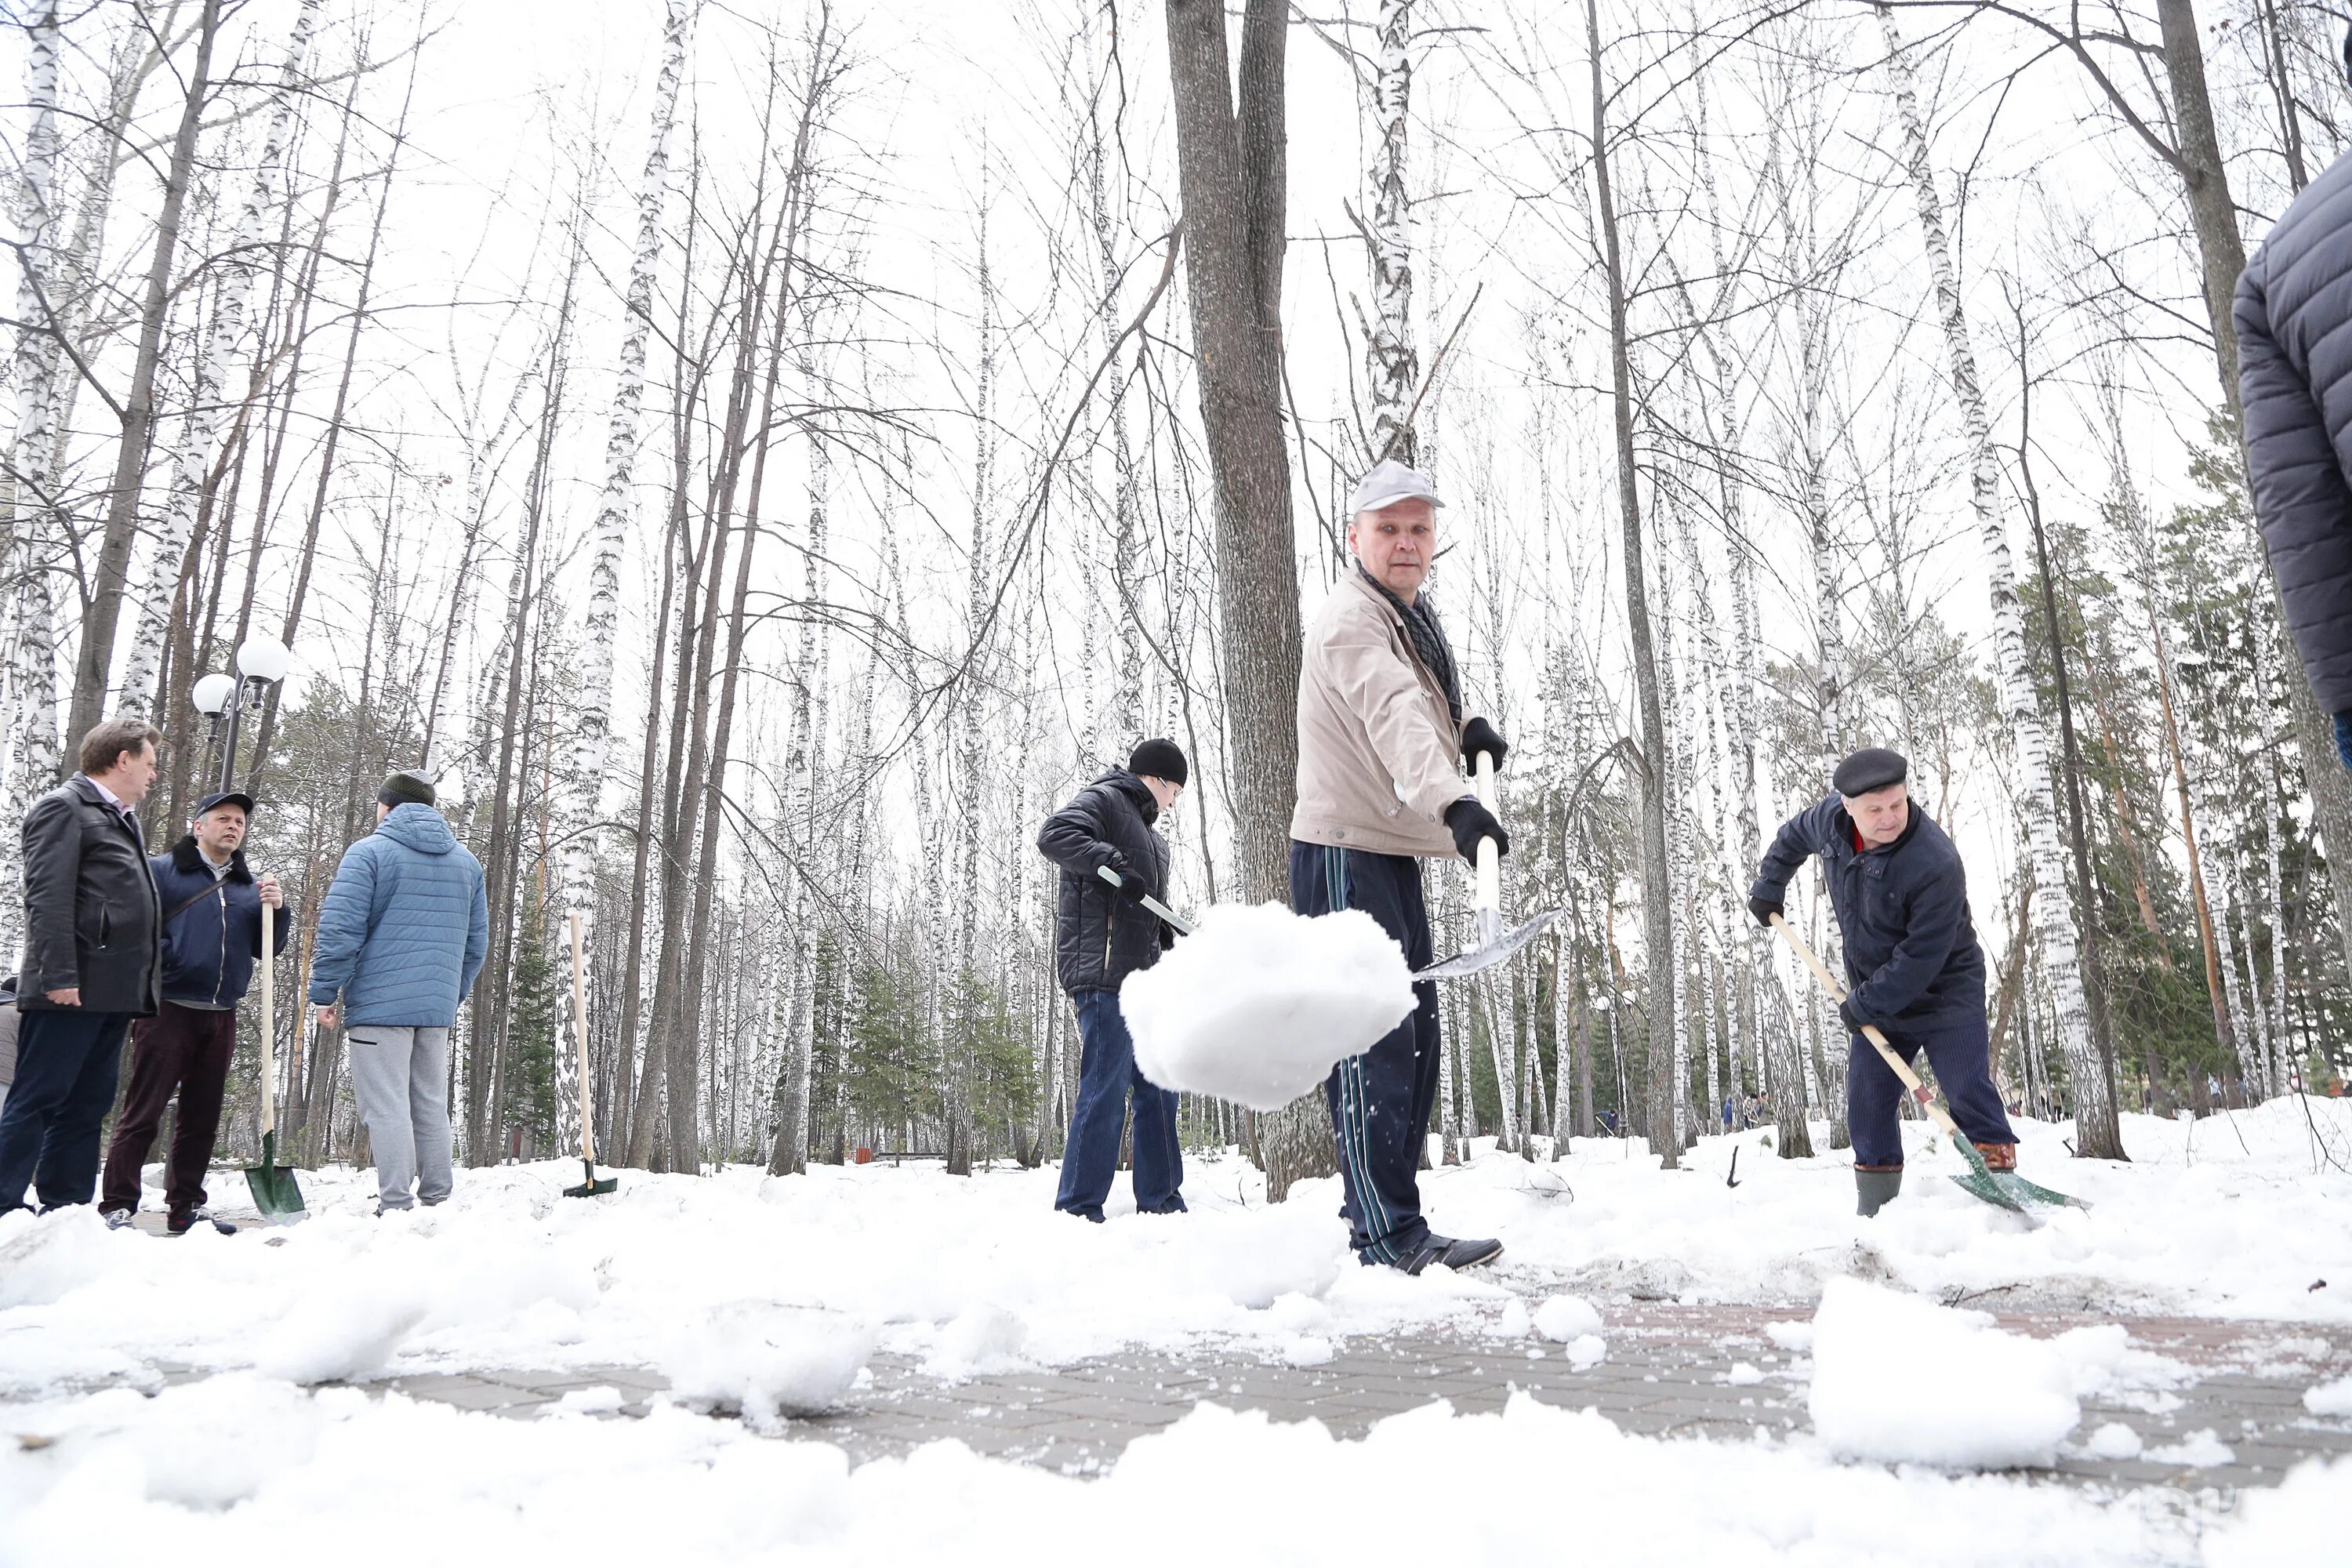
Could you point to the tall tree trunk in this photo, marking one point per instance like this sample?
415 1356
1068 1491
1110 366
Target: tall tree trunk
1391 367
1232 174
96 658
2098 1135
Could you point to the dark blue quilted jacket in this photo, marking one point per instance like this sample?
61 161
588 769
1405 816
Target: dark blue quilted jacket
405 927
2293 313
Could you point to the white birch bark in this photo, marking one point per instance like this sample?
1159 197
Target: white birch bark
2097 1135
1391 366
617 507
200 433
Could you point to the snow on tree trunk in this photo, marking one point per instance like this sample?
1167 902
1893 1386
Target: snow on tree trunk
1391 367
2097 1134
617 507
200 433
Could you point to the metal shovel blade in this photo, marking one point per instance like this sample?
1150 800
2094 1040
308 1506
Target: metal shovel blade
275 1192
2007 1189
592 1187
1488 952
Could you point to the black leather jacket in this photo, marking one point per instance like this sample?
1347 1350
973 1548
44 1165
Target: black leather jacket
1099 938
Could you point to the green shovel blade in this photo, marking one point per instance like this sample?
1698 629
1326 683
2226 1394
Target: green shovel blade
592 1187
275 1192
2006 1189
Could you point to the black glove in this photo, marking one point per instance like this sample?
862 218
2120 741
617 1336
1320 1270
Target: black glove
1479 736
1853 1020
1469 822
1764 910
1131 889
1167 936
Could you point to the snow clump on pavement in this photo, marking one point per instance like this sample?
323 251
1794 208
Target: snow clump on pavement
1899 1379
1258 1004
765 1360
2330 1398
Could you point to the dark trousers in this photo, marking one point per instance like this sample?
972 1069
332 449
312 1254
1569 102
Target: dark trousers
183 1050
1106 1073
1963 1071
1381 1100
66 1062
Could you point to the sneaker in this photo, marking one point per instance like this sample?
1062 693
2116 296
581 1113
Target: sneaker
1453 1254
181 1223
120 1219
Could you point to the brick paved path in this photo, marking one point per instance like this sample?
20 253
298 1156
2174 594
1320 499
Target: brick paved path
1669 1371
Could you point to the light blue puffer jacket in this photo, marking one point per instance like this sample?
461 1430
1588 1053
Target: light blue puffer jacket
404 926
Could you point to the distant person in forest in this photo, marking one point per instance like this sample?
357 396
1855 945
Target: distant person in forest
402 931
2294 382
213 910
1382 741
1912 962
1102 934
92 964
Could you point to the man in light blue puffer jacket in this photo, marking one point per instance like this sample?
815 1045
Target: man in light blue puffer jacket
402 933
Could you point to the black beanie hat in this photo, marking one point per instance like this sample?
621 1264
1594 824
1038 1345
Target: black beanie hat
1158 759
405 789
1873 767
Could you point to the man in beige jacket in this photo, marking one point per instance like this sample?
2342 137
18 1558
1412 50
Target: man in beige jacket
1381 740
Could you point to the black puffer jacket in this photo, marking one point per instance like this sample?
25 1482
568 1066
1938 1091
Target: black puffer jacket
2295 375
1911 956
1099 938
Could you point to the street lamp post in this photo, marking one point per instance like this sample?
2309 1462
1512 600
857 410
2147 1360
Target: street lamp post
261 663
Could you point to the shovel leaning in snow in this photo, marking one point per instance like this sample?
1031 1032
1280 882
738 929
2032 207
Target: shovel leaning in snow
1495 945
590 1187
275 1192
1154 905
2003 1189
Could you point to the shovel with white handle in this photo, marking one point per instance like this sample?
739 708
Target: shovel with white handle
1495 945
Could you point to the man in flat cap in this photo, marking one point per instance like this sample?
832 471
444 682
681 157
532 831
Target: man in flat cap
402 931
213 908
1382 738
1912 964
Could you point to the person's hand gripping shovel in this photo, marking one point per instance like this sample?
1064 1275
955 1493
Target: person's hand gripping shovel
1493 944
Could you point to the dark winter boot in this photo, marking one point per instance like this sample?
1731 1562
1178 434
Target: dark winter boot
1875 1186
1452 1252
1999 1156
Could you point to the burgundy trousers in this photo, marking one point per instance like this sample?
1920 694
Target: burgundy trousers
185 1050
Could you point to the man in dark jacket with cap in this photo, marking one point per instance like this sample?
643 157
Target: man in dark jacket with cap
213 910
1912 964
2294 381
1102 934
92 964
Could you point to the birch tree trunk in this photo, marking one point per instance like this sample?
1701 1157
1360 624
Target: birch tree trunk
2098 1134
201 435
1391 366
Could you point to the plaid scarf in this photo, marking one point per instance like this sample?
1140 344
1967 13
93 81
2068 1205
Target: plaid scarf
1428 641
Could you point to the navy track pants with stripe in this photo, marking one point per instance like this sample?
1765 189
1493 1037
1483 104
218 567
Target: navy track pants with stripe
1381 1100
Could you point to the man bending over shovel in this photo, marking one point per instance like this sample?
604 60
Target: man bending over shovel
1912 964
1381 743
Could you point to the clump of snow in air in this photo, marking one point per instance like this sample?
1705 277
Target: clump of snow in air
2329 1398
1259 1003
1897 1378
2114 1441
1565 1317
766 1361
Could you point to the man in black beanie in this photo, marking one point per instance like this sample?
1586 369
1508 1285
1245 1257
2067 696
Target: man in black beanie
1102 934
1912 964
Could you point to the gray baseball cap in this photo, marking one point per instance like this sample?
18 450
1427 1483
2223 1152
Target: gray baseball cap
1391 481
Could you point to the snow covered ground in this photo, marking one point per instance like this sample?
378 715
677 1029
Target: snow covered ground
768 1293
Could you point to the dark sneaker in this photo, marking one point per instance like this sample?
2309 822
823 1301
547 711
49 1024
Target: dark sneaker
1452 1252
119 1219
181 1223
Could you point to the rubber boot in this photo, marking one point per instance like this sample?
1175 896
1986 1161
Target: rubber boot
1876 1187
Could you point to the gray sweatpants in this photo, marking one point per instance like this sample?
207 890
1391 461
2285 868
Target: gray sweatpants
401 1078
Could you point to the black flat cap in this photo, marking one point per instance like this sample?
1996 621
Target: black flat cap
1873 767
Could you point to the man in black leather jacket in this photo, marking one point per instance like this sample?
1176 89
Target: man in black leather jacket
1102 934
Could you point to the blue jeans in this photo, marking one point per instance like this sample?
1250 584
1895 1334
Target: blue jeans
1107 1071
1874 1094
66 1062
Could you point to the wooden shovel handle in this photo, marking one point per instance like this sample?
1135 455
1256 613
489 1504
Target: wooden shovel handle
268 1019
1919 1091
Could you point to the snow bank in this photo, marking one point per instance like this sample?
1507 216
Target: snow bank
1258 1004
244 1470
765 1362
1900 1379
